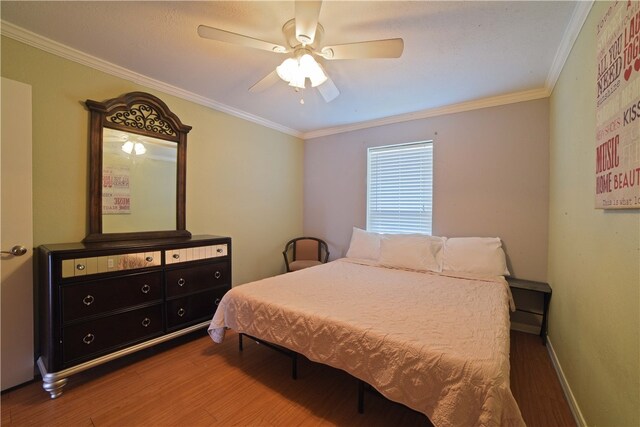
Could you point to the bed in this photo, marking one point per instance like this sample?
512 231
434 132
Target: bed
435 341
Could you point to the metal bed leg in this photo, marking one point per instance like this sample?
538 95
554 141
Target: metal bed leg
294 366
292 354
360 396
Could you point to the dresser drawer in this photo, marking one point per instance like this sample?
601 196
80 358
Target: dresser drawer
101 336
92 298
190 309
175 256
183 281
109 263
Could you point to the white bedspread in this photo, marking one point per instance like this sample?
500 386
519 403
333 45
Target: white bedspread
437 344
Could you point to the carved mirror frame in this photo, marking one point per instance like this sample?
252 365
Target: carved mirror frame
143 114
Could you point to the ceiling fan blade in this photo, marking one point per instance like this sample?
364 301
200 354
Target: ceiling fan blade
266 82
389 48
328 90
307 13
229 37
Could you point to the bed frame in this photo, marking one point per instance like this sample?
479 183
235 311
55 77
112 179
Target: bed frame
273 300
294 364
290 353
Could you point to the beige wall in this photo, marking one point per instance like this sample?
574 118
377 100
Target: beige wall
243 180
594 256
490 179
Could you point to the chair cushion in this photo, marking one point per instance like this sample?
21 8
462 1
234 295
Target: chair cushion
299 265
306 249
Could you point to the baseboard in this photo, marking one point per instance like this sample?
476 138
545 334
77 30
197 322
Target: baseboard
573 405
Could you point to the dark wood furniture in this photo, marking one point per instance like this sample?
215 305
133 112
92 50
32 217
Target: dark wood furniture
532 301
135 113
100 301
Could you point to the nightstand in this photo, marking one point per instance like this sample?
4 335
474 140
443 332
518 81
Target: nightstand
532 305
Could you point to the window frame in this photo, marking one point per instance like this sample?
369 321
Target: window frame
425 194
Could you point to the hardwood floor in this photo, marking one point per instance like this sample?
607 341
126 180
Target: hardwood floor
535 384
194 382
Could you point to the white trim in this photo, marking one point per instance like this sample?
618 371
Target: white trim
573 404
571 33
568 39
493 101
35 40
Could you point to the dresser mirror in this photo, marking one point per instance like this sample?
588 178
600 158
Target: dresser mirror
137 169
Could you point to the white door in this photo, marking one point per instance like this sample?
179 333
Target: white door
16 218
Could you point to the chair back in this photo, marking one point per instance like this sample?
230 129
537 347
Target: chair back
305 249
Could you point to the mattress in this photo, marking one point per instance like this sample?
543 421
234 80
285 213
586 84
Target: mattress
436 343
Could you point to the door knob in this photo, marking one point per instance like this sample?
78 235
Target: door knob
17 250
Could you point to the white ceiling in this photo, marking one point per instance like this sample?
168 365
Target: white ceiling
455 52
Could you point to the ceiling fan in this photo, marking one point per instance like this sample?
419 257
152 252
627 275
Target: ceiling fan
303 35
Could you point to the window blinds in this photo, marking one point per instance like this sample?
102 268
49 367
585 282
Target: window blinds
399 188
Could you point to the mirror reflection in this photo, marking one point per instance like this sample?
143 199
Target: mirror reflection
139 176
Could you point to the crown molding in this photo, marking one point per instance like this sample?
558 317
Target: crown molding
494 101
35 40
570 36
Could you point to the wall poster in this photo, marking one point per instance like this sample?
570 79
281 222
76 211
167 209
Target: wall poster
618 107
116 193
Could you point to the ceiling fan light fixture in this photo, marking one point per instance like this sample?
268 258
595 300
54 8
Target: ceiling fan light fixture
287 69
307 64
296 71
298 81
312 70
303 36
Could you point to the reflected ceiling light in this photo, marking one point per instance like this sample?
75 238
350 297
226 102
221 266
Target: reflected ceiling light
130 147
296 70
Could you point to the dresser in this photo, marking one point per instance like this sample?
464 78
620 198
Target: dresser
101 301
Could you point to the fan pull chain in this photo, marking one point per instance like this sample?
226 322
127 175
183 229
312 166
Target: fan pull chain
301 91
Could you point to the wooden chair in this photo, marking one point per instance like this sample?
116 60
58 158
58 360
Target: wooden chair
305 252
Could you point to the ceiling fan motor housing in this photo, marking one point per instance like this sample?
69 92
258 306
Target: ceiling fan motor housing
289 31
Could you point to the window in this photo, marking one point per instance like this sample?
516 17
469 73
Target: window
399 188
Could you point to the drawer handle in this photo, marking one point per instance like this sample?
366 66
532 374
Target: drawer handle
145 288
149 259
88 300
219 250
176 256
146 322
88 339
217 302
181 312
181 282
217 274
80 266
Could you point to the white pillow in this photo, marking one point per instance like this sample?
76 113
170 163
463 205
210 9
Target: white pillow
364 245
413 251
480 255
